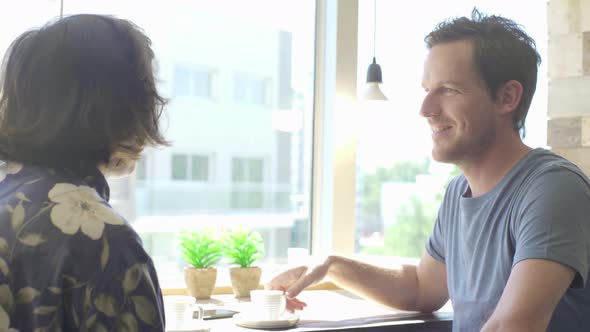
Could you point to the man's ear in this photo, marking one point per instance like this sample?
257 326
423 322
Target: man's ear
509 96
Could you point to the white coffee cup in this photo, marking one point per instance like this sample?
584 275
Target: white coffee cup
267 304
180 311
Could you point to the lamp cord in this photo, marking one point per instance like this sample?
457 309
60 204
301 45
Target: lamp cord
61 9
374 27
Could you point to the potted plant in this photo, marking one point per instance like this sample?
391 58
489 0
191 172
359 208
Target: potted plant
201 250
243 247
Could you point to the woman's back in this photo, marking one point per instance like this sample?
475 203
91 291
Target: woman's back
67 260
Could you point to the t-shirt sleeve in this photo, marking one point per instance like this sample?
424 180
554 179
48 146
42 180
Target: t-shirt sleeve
434 244
554 222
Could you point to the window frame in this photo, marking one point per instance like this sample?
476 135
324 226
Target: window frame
189 166
266 85
333 196
246 168
191 70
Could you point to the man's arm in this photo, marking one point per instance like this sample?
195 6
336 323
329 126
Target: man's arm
420 288
534 288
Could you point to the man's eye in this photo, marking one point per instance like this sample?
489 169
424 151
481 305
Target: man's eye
448 90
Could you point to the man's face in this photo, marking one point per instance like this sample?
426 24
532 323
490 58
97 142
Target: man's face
457 104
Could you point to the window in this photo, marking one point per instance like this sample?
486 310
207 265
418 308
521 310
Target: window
141 169
200 47
399 192
247 170
266 59
192 82
182 81
200 168
179 167
250 90
190 167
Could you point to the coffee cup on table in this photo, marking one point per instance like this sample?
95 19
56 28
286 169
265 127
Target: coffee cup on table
181 311
267 304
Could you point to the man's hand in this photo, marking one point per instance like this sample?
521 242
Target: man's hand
295 280
397 288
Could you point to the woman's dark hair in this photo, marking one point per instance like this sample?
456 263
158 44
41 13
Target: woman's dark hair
502 52
76 90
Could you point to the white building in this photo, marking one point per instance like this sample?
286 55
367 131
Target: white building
227 166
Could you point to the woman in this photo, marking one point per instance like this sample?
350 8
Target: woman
78 104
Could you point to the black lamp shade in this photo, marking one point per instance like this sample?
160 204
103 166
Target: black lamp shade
374 73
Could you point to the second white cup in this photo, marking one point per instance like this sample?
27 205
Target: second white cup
180 310
267 304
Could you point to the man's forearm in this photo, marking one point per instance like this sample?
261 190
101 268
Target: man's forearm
397 288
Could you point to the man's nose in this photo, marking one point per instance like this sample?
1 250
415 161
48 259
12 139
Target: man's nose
430 106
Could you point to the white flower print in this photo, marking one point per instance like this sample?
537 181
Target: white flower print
9 167
80 207
5 321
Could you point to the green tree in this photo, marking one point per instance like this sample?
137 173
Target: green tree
406 237
406 171
415 219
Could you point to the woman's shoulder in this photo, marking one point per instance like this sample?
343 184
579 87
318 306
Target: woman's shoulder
51 212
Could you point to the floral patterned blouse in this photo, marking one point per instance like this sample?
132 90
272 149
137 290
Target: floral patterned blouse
68 261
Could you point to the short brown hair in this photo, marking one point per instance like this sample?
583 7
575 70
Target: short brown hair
503 51
77 89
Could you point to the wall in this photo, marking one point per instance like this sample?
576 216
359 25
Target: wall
568 127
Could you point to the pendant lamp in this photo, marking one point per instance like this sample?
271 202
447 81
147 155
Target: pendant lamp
374 75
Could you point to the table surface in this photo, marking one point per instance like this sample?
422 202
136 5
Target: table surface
329 310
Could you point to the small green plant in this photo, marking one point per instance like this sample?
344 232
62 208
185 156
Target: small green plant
243 246
201 249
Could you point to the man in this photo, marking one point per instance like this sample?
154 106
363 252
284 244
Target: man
510 246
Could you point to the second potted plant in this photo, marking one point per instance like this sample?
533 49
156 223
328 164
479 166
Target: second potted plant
201 250
243 247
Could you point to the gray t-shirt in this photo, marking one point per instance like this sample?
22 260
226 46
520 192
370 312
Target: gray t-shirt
540 209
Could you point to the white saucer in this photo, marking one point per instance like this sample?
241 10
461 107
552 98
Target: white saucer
192 327
286 320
